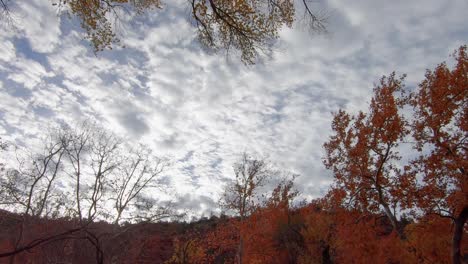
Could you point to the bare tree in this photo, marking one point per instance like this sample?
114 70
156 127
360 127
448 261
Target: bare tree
241 195
314 20
94 163
150 211
3 145
28 190
139 171
29 187
77 143
6 16
93 156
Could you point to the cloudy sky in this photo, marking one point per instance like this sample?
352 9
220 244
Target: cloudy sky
202 109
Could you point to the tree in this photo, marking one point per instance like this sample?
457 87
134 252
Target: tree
241 195
188 249
440 129
94 162
137 172
265 229
3 147
430 239
93 156
249 26
5 12
363 151
318 232
273 232
29 189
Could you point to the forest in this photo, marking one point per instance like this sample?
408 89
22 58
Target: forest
398 189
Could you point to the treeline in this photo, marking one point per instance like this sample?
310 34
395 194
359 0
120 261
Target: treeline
315 233
400 191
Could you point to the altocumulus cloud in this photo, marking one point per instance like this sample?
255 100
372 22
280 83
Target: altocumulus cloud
202 110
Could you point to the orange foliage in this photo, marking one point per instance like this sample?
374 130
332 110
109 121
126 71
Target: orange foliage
363 155
367 239
318 234
363 151
441 131
430 239
442 126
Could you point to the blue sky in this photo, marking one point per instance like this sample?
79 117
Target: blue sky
202 109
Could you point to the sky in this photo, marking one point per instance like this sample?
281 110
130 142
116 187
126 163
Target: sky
202 109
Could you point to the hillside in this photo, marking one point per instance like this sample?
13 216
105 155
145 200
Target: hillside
271 235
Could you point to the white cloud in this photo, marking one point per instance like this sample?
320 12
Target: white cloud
27 72
7 51
39 22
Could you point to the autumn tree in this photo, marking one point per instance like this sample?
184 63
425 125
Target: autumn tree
221 243
245 25
248 26
189 248
363 154
440 129
272 234
430 238
318 232
266 229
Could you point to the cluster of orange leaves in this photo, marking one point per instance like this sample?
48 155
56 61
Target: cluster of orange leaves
313 234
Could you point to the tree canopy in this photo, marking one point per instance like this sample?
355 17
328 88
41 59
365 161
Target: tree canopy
249 26
369 172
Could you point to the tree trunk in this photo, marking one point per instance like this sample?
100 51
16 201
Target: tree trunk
457 236
240 250
326 258
394 221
